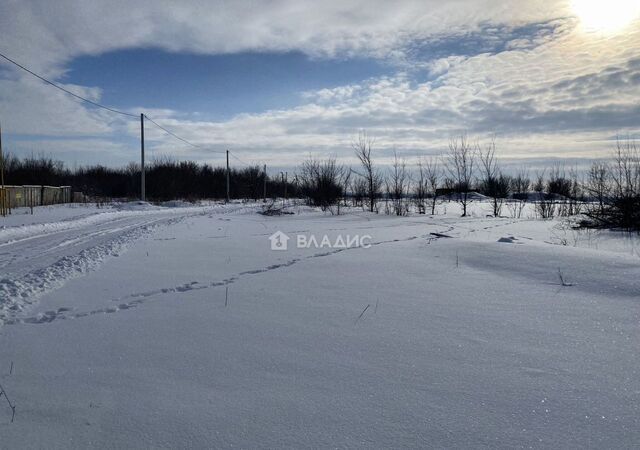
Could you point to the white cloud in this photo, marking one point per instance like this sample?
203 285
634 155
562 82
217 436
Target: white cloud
45 34
541 102
28 106
543 93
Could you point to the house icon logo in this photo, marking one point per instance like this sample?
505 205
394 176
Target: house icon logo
279 241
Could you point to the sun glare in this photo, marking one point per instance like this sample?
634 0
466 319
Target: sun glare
606 15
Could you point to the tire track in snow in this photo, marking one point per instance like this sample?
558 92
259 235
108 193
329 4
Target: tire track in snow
17 294
53 257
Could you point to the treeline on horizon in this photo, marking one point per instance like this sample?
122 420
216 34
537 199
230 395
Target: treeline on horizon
165 179
607 195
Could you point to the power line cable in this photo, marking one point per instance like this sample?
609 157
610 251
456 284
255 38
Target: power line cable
178 137
91 102
55 85
170 132
241 161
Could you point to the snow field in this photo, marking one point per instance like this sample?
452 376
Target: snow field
200 336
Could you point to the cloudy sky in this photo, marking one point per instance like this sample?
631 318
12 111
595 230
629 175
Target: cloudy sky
275 80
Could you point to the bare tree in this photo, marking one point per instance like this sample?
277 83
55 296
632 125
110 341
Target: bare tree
433 175
428 183
564 191
359 187
545 205
345 181
520 185
493 183
460 163
322 182
420 191
626 169
576 196
598 185
372 176
397 186
620 205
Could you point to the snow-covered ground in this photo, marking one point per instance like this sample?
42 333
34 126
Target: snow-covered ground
180 328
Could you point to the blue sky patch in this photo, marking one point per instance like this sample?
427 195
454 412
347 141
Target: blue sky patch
216 86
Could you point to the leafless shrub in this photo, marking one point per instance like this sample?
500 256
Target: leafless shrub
359 191
420 188
460 164
565 191
372 176
432 176
273 209
493 183
345 181
426 187
616 187
599 187
545 204
520 185
321 182
397 186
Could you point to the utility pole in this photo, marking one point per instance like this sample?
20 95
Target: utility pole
142 182
283 176
227 176
2 160
264 185
3 197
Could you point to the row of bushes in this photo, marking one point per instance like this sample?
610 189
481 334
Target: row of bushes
165 179
615 189
608 195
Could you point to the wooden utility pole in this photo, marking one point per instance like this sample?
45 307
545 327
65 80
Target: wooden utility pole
142 181
228 176
284 182
1 159
3 196
264 184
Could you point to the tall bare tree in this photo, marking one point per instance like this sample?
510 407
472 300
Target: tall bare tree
346 183
576 195
545 203
520 185
420 186
493 183
397 186
460 164
599 185
370 173
427 183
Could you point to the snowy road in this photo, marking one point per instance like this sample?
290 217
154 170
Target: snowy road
23 255
39 257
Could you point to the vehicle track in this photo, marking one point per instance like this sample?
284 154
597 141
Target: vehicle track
40 259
